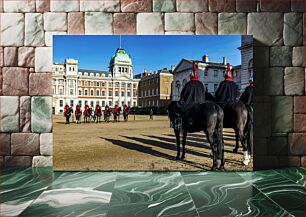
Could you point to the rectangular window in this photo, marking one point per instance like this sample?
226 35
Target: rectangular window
71 91
92 83
110 93
103 103
80 83
215 73
129 85
116 103
103 84
153 92
61 81
134 93
91 92
98 83
122 85
98 92
103 92
91 103
86 83
206 73
86 92
134 85
71 83
80 103
110 84
117 84
122 93
128 94
117 93
122 103
110 103
71 103
61 103
60 91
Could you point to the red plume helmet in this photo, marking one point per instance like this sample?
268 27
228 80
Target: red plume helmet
195 73
228 74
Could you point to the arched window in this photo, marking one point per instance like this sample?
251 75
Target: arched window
250 68
178 86
98 92
184 82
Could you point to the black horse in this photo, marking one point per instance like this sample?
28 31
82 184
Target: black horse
206 117
126 114
236 116
68 115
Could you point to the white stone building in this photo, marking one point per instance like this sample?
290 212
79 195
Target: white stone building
209 73
74 86
246 50
212 73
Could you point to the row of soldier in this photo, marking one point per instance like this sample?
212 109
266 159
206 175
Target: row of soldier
94 115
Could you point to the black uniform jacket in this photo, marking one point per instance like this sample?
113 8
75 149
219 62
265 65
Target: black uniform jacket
193 93
247 95
226 92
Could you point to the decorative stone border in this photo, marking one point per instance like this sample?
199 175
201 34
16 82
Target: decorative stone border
26 58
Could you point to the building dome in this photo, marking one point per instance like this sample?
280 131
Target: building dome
120 56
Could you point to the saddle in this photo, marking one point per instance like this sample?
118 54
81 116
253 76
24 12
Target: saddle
188 120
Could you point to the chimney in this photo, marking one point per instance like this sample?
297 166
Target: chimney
205 58
224 60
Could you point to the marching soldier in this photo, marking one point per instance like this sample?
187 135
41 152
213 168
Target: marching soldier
86 107
124 108
106 109
97 109
115 108
78 113
66 108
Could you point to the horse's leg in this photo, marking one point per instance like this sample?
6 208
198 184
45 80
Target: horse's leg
184 144
219 139
235 150
177 135
213 146
243 141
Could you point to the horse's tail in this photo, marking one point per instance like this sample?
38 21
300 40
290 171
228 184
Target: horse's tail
219 131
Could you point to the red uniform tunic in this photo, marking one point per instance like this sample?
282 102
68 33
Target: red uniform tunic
115 108
85 109
65 109
124 108
77 110
106 109
97 110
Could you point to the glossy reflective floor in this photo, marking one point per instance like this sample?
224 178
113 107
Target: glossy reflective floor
42 192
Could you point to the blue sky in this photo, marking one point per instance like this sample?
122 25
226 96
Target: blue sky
147 52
